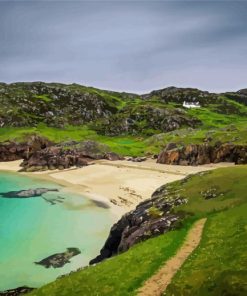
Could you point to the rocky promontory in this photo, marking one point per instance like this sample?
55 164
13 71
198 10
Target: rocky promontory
151 217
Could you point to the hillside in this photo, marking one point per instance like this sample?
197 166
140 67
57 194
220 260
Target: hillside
130 124
215 267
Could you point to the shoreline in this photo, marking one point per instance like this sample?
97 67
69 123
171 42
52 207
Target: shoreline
120 185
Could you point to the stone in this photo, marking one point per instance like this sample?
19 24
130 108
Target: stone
60 259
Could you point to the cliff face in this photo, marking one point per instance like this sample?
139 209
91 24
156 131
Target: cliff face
13 150
66 155
150 218
203 154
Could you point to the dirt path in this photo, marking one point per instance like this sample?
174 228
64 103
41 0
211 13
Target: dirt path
156 285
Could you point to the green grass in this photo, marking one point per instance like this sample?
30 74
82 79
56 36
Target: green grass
120 275
219 265
230 184
216 267
129 144
219 127
44 98
124 145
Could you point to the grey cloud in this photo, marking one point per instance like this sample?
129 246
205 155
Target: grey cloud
132 46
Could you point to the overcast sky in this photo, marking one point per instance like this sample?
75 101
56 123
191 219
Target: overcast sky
132 46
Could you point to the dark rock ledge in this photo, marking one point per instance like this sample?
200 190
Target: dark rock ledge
198 154
16 291
151 217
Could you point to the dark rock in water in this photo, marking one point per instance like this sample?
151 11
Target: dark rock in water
59 259
198 154
33 193
151 217
27 193
16 291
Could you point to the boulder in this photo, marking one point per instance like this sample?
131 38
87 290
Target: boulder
113 156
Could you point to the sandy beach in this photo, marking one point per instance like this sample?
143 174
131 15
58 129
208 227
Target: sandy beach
119 184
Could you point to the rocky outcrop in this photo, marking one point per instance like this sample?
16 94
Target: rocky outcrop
27 193
11 150
38 192
150 218
198 154
53 158
60 259
55 104
66 155
17 291
145 119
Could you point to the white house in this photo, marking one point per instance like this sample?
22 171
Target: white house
191 104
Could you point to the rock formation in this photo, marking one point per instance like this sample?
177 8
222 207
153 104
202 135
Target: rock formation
198 154
27 193
66 155
17 291
11 150
60 259
150 218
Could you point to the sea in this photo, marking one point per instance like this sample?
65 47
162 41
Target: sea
32 229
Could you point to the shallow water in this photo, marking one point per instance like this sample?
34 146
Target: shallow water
32 229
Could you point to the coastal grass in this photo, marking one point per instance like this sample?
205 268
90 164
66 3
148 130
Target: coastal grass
229 185
123 274
219 265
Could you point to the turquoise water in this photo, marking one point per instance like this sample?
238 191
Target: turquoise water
32 229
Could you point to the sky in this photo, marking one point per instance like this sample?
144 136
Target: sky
134 46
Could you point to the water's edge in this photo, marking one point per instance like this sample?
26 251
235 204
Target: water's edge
32 229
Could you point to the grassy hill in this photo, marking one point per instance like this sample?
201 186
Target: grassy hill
130 124
218 265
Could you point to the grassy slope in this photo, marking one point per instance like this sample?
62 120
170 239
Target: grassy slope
219 265
219 127
125 145
214 262
229 126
